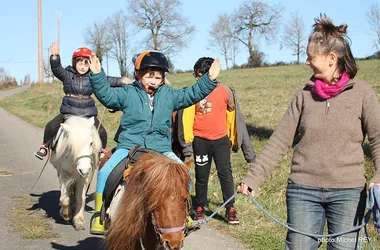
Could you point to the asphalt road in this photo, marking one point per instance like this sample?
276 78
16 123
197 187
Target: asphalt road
18 141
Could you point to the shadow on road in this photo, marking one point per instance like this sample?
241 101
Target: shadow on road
49 202
90 243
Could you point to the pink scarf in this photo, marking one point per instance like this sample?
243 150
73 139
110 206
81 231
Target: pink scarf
328 91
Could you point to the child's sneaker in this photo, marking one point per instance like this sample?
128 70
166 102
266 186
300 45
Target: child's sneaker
41 153
102 153
199 213
231 217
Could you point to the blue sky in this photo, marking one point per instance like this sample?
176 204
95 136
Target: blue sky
19 29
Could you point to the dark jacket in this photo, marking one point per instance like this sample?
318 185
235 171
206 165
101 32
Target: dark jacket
244 141
76 84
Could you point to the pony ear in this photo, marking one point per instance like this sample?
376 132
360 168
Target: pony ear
91 121
65 127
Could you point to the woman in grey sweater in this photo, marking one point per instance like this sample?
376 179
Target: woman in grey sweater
331 115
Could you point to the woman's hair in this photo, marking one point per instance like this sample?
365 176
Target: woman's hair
327 37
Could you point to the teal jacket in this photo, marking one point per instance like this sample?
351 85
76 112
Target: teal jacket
140 125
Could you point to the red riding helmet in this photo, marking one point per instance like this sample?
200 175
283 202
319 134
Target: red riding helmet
82 52
151 58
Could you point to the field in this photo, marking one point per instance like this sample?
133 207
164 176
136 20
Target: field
264 95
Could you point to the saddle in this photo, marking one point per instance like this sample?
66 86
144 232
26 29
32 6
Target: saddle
119 174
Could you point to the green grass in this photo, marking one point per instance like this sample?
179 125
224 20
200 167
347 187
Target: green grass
32 224
5 87
264 95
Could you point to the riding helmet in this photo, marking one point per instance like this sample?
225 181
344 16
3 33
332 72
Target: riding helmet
81 52
151 58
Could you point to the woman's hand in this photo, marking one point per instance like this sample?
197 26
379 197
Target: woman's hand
214 69
95 65
54 50
372 184
243 189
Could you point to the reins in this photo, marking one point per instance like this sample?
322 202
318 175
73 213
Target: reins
43 168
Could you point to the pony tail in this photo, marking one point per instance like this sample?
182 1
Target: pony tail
342 29
325 25
326 37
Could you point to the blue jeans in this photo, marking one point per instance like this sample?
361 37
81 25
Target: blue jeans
310 207
112 163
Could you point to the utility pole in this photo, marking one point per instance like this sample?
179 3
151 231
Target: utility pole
10 66
40 52
59 31
48 70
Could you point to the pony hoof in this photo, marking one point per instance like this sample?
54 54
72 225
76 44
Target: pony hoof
79 227
66 219
65 214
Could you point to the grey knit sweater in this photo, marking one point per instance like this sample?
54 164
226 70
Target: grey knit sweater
330 135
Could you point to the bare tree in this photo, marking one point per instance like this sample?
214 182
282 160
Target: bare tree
373 16
27 80
252 21
117 35
234 51
294 37
5 80
221 39
95 36
169 31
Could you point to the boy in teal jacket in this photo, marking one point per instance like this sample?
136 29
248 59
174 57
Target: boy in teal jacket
147 105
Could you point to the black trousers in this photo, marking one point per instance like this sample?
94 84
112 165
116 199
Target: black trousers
52 127
204 151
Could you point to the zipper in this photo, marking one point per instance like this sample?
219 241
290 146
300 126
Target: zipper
327 106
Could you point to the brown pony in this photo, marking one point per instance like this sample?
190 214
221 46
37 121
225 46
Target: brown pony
152 211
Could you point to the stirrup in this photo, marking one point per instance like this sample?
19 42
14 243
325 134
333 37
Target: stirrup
92 220
39 155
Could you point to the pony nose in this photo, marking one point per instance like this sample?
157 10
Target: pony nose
167 245
81 172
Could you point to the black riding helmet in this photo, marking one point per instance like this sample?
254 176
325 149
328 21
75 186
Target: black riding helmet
151 59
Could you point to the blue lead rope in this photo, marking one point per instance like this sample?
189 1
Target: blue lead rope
200 223
373 205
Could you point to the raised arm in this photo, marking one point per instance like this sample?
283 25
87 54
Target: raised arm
109 97
203 87
55 63
114 82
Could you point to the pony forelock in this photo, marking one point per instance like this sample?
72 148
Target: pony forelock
153 179
79 134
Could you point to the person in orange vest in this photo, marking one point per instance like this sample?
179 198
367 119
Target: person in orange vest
203 126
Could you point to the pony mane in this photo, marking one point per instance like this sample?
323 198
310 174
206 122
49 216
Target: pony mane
153 179
76 138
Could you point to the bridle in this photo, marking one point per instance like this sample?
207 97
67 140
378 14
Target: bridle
160 231
91 157
166 230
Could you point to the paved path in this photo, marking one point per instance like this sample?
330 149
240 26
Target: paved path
18 141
